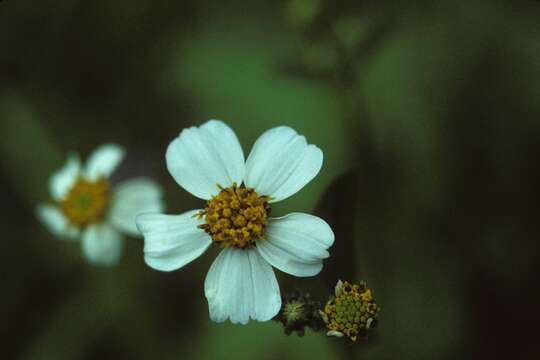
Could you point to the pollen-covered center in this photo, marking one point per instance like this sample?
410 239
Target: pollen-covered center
86 201
237 216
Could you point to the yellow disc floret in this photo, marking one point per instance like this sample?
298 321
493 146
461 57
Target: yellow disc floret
352 312
237 216
86 201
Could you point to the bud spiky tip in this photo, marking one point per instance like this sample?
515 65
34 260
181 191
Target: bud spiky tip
299 311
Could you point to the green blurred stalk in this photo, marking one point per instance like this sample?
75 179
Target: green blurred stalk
27 153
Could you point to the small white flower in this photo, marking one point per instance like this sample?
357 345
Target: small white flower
86 208
208 161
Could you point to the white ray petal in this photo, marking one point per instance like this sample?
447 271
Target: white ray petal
172 241
102 244
132 198
203 157
297 244
103 161
240 286
281 163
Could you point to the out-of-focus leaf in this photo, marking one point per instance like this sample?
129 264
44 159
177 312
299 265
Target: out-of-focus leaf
28 155
302 12
319 57
350 31
261 341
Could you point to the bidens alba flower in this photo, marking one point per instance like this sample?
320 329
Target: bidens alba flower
208 161
86 207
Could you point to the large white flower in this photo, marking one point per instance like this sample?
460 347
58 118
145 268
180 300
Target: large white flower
208 161
85 206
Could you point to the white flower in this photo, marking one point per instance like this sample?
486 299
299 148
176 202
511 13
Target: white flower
208 161
86 208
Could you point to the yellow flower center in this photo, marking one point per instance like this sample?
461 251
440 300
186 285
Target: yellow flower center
237 216
353 310
86 201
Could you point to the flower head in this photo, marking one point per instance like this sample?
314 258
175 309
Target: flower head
352 312
87 207
208 161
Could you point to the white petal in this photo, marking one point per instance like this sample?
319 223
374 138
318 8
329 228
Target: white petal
102 244
281 163
334 333
203 157
297 244
104 160
56 222
132 198
62 180
338 288
172 241
240 285
323 316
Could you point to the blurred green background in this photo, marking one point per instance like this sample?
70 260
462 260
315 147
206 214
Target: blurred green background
428 116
